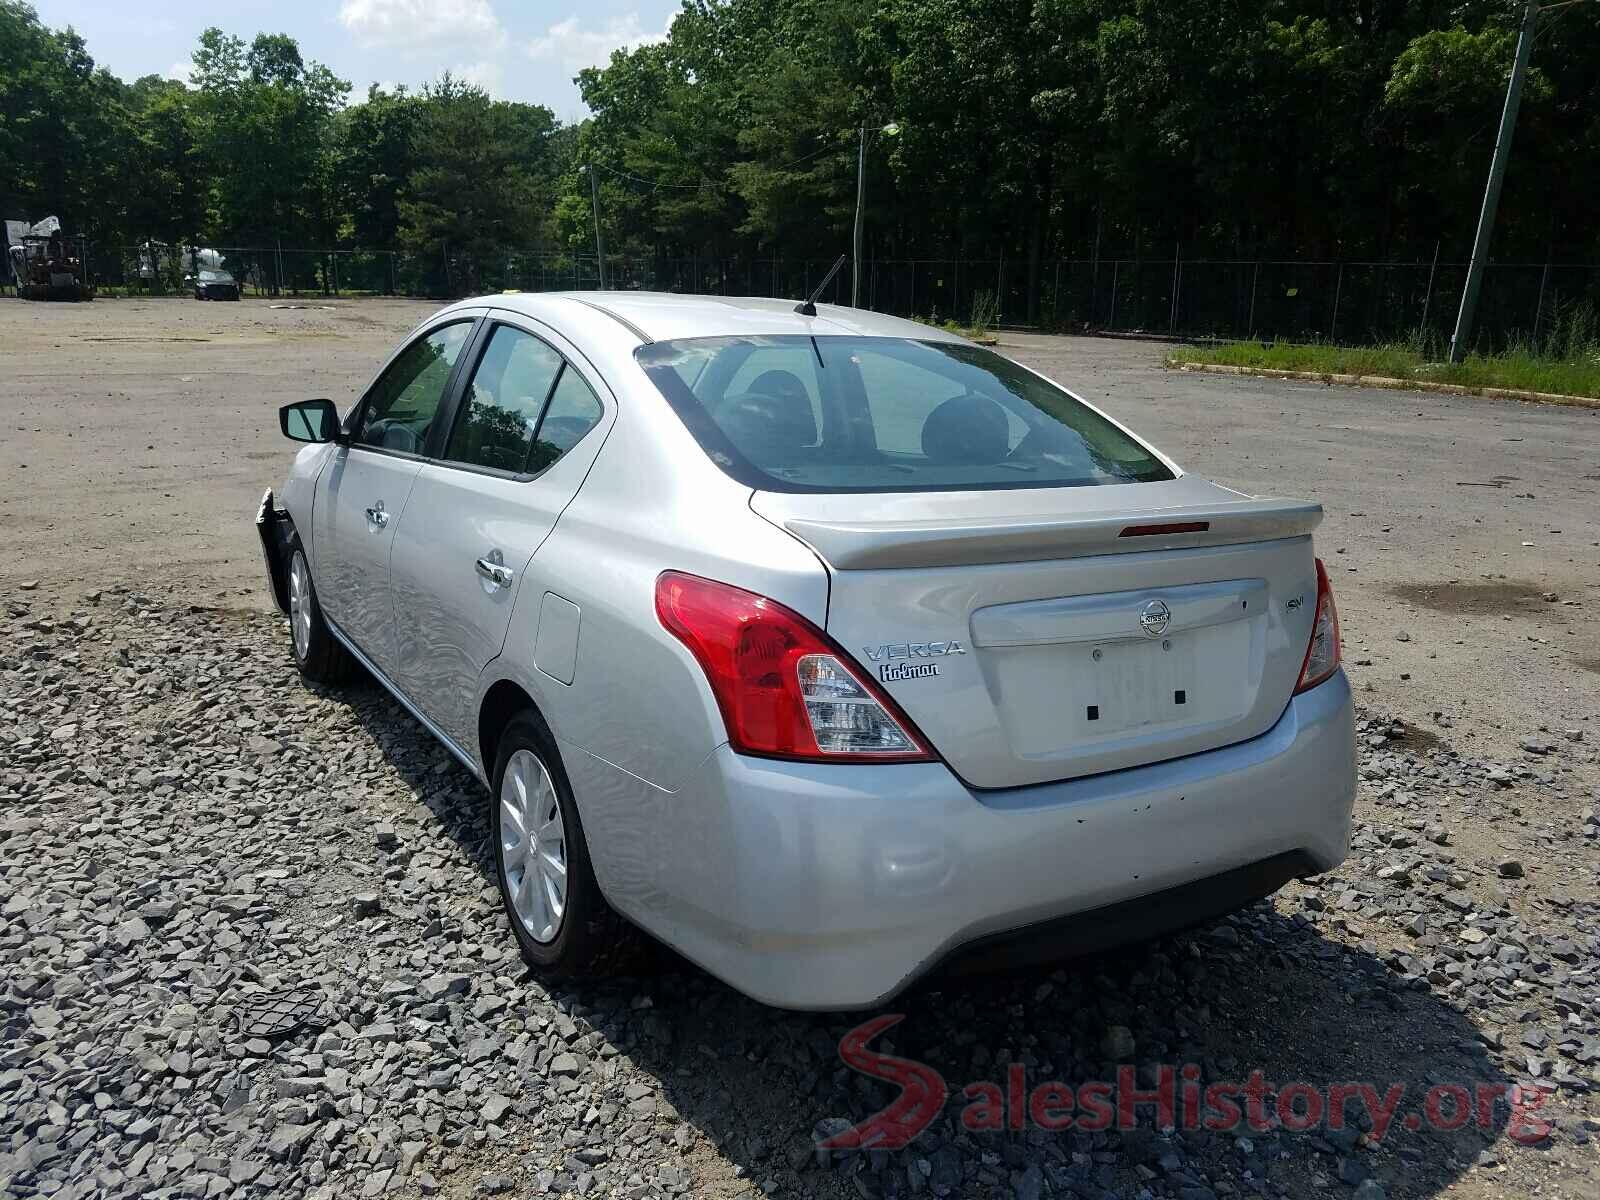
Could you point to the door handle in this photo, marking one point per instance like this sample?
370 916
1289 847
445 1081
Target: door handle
376 515
495 573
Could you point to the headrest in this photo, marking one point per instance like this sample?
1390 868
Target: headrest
966 429
772 420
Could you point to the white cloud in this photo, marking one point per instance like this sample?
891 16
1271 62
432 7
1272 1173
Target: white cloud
416 24
575 47
488 75
182 71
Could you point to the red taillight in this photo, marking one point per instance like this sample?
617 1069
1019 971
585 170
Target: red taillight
784 688
1322 652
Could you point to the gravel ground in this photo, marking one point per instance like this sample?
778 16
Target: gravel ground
186 829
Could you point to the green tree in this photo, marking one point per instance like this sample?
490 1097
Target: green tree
166 192
478 191
63 126
265 121
799 118
374 157
1327 129
968 78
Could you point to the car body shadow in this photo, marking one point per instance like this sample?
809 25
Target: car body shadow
1265 994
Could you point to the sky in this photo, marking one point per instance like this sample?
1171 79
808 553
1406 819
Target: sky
516 49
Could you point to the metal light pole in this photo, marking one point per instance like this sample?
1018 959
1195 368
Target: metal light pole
599 240
861 203
1491 193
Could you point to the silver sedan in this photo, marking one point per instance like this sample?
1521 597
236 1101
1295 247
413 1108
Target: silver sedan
825 647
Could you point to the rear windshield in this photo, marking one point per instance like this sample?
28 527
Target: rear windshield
847 414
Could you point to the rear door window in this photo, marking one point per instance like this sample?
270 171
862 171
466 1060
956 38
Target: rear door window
572 412
524 407
500 409
849 414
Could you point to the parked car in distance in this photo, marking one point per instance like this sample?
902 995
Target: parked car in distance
829 649
210 284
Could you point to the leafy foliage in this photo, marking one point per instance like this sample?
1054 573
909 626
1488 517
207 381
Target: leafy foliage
479 179
261 147
262 116
1028 129
1227 128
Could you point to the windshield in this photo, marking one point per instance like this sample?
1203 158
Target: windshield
852 414
215 277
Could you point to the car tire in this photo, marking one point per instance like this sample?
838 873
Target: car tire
586 937
319 655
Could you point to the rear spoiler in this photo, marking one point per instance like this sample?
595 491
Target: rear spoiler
865 545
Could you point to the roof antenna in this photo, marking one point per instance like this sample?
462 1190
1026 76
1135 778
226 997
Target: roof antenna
808 306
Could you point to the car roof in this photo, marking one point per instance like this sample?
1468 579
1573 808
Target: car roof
663 316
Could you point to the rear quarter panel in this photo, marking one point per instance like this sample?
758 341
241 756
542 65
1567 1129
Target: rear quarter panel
652 502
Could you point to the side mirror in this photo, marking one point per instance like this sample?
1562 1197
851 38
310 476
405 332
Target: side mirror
309 421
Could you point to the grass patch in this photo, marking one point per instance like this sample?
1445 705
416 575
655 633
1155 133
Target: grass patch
985 312
1566 361
971 332
1521 369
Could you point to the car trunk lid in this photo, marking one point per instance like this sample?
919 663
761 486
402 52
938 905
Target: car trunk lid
1043 634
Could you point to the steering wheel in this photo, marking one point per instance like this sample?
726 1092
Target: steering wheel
393 435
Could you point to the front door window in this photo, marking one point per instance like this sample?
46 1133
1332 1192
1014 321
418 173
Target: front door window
401 406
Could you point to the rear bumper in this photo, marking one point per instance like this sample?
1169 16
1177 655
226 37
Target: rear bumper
833 887
1127 921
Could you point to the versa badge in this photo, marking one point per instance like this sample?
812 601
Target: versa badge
891 671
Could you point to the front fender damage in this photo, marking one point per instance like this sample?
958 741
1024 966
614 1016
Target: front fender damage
274 527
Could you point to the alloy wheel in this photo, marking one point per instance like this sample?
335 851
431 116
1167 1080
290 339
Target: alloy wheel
533 846
300 605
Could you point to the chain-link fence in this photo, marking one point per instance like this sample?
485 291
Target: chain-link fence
160 270
1352 303
1347 302
276 271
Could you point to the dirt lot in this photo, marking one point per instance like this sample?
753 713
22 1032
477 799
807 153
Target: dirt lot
182 825
140 434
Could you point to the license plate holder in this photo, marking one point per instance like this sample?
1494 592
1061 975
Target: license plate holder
1132 684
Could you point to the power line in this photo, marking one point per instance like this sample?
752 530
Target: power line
806 158
652 184
655 185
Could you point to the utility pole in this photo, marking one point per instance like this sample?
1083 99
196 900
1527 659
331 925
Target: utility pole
1491 193
599 240
890 130
861 200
